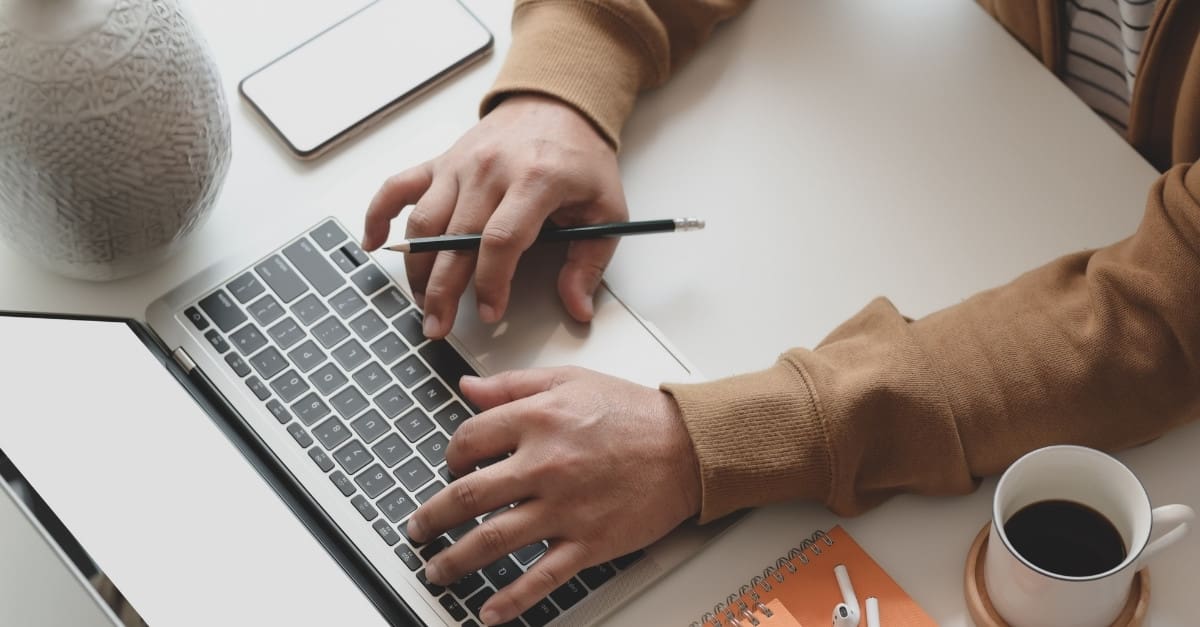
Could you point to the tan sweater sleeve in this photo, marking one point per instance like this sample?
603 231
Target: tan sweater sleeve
596 55
1099 348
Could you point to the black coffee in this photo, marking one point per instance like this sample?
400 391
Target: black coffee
1066 538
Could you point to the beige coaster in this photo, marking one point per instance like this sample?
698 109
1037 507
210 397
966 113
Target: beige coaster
985 615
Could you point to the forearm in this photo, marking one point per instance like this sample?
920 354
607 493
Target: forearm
597 55
1100 348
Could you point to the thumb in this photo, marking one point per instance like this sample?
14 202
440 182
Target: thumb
581 274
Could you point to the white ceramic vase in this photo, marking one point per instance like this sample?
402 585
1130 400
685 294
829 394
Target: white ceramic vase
114 133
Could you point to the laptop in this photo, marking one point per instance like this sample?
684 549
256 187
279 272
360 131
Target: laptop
287 409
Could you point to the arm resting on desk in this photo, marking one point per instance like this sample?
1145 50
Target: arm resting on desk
1099 348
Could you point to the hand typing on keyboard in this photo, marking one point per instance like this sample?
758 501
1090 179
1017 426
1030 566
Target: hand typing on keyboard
531 159
599 467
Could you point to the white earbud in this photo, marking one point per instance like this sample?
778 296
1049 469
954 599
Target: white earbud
846 613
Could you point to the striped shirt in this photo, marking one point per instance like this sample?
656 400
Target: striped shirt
1104 43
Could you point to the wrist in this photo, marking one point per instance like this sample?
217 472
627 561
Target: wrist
683 451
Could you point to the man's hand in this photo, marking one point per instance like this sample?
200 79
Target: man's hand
531 159
600 467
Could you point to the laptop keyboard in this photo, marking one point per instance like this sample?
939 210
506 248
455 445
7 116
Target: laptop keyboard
335 351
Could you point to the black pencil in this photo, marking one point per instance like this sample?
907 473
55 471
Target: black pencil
550 234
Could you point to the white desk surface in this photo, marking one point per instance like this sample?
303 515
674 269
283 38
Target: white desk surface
840 149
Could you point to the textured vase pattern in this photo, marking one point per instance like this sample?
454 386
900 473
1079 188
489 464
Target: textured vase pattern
113 145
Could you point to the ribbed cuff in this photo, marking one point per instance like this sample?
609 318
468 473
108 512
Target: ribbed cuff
758 437
578 52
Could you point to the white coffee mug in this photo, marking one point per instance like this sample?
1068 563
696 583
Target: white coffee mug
1028 596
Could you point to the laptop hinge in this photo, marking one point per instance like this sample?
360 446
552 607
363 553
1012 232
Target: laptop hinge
183 359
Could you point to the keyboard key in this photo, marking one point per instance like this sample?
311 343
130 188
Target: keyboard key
331 433
428 491
595 576
453 607
343 261
279 411
370 279
540 614
268 363
368 325
258 388
396 505
447 362
350 355
391 450
371 378
386 532
309 309
433 588
375 481
266 310
196 318
435 546
300 435
408 556
393 401
389 348
329 332
350 402
431 394
502 572
307 356
347 303
286 333
236 363
321 459
364 507
568 594
371 426
629 559
451 416
458 532
248 339
216 340
312 264
528 553
409 325
352 457
444 473
390 302
342 482
411 371
476 601
355 253
433 449
463 588
414 474
310 409
414 425
290 385
281 278
328 378
245 287
469 623
328 235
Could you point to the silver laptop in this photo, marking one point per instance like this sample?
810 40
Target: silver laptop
309 360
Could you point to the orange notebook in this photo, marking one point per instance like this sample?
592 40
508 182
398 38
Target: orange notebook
801 590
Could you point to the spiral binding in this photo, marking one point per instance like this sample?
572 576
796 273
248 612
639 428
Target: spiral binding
734 611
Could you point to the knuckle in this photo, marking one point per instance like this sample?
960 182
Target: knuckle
464 495
421 222
500 237
548 578
493 537
485 159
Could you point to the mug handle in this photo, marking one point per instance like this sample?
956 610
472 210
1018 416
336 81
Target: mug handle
1175 516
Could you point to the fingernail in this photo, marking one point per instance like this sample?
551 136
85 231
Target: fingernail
490 617
433 573
487 313
431 326
415 531
470 377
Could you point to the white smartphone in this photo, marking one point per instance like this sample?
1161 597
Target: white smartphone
336 84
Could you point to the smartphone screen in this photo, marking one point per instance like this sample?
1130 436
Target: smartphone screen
363 67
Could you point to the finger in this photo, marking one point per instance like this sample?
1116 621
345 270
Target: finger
509 232
396 193
452 269
564 559
467 497
495 538
485 437
429 218
581 275
506 387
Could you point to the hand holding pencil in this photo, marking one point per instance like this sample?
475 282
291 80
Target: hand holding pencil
550 234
